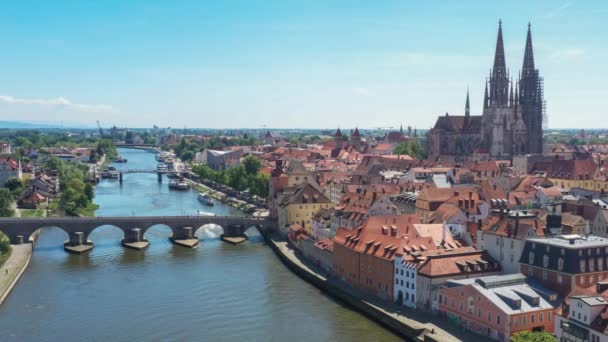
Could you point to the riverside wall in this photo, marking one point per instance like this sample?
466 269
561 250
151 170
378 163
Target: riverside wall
336 291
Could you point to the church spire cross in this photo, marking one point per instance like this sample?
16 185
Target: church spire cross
529 53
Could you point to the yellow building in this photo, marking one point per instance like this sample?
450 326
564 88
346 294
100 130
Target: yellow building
576 173
301 207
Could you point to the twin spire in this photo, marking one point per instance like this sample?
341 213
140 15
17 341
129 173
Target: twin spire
499 92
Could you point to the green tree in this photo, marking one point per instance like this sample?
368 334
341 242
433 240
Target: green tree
528 336
6 203
187 156
252 164
89 191
13 184
410 148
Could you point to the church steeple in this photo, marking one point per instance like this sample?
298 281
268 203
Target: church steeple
529 53
467 106
500 67
499 78
485 96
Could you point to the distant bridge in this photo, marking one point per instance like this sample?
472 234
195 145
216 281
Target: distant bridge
21 230
136 145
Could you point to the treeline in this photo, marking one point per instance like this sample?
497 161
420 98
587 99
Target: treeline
76 192
242 177
187 149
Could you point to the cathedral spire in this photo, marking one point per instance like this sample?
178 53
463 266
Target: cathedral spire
485 96
528 54
500 68
467 106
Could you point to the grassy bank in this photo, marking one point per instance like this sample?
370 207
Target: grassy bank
5 248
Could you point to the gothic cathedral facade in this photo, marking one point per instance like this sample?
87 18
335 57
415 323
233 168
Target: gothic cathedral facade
512 118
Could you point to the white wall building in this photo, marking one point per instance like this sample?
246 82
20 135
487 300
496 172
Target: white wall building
405 282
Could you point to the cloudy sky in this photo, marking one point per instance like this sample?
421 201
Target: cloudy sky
283 63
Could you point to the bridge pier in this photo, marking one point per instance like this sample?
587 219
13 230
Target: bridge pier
77 244
184 237
134 240
160 177
234 234
120 178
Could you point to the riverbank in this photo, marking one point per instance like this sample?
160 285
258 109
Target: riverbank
14 267
222 197
393 317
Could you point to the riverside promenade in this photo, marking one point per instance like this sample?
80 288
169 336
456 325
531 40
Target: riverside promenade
403 321
13 268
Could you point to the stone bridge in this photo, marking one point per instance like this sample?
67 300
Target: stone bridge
21 230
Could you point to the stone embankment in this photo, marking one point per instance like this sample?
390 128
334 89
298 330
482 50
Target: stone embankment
396 320
15 265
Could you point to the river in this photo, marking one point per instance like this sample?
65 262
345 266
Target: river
213 292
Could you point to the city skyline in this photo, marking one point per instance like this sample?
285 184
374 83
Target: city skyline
288 65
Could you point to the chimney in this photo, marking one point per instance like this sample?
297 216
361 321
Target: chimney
601 286
456 193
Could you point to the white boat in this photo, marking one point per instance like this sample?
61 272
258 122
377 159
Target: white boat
205 199
161 167
203 213
178 185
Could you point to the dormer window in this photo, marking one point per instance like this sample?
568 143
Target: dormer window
560 264
545 261
582 265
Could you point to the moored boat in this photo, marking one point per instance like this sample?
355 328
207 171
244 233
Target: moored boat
179 185
205 199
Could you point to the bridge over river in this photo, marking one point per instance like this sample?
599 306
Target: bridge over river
21 230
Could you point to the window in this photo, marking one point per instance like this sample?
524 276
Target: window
581 265
514 321
401 272
397 281
396 271
559 279
498 319
532 318
545 260
531 258
560 264
523 320
544 274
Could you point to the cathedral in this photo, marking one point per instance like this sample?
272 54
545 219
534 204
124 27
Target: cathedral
512 118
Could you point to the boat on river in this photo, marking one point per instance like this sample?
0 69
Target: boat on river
120 160
205 199
179 185
161 167
203 213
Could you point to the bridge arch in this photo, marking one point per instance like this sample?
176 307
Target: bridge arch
58 230
157 231
111 230
208 231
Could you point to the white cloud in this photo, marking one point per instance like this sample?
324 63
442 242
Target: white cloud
567 54
59 102
559 11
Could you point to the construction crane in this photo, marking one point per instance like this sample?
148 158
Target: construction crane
100 129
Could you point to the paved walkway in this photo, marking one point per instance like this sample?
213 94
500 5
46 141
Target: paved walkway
410 317
15 264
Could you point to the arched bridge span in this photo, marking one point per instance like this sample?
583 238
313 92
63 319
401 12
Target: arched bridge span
20 230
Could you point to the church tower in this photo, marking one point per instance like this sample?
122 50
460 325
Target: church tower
531 98
498 115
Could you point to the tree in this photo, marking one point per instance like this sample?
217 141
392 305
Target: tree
13 184
528 336
89 191
187 156
410 148
6 203
252 165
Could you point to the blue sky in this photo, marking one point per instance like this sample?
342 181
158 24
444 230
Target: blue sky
289 63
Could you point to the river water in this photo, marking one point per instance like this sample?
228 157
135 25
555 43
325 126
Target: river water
215 292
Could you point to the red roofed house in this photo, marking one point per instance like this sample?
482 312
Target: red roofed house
9 168
364 257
